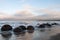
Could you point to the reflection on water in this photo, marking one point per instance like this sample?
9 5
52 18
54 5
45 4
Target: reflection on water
6 35
30 31
19 33
40 34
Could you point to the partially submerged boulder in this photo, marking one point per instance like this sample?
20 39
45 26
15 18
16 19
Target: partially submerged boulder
22 27
30 28
6 27
18 31
48 25
55 24
41 26
45 25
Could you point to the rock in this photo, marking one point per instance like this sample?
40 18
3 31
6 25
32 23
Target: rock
48 25
17 29
30 28
6 27
23 27
41 26
45 25
55 24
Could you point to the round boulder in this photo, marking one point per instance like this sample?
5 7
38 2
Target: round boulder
6 27
30 28
23 27
17 30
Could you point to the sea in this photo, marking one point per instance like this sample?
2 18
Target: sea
37 34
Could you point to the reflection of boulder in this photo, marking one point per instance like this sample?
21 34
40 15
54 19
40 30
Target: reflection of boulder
22 33
30 31
6 27
23 27
6 34
55 37
30 28
42 30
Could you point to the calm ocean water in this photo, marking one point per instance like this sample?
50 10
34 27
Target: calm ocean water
35 35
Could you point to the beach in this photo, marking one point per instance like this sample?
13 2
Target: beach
34 35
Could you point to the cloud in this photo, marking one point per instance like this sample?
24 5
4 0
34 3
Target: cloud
3 16
23 15
52 12
48 13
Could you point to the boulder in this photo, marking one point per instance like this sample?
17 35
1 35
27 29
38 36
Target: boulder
23 27
17 29
48 25
55 24
6 27
41 26
30 28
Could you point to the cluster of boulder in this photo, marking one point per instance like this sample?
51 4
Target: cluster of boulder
23 28
47 25
17 29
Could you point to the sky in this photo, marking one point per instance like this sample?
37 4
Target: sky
26 9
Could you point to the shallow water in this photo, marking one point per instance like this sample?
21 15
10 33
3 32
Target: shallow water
37 34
